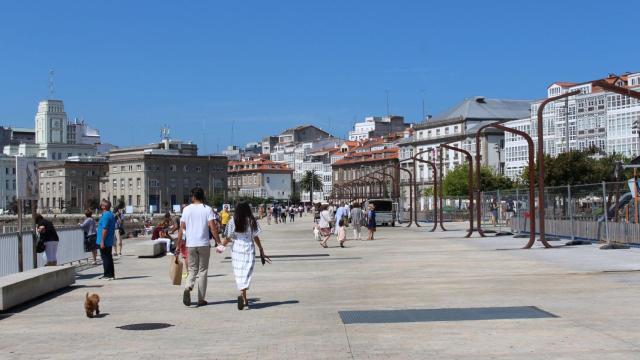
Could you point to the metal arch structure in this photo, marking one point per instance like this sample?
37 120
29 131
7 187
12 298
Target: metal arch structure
532 223
440 180
411 197
469 181
415 159
541 162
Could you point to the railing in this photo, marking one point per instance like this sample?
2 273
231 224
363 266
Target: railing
70 249
593 212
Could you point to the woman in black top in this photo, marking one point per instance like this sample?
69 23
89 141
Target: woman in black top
49 237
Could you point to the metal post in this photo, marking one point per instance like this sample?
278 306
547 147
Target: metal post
606 211
20 247
570 211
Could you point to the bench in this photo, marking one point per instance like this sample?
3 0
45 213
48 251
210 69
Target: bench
148 248
19 288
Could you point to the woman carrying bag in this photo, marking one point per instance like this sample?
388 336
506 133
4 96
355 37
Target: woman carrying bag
243 230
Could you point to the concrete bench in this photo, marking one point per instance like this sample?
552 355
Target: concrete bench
148 248
21 287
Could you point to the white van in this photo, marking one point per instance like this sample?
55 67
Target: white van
385 210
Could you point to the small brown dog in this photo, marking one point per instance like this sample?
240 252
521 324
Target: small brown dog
91 304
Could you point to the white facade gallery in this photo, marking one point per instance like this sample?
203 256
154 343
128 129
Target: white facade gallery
593 118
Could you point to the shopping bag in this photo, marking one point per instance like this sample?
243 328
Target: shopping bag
175 270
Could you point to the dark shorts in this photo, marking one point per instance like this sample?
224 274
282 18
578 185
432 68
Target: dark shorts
90 243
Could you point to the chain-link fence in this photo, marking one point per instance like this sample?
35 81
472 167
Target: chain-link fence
593 212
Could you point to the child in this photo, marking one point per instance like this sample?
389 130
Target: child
342 235
316 232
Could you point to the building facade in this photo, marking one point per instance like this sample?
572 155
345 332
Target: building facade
368 156
457 127
159 176
376 126
259 177
592 119
71 185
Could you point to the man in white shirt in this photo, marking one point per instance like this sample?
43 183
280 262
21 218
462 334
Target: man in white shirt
196 224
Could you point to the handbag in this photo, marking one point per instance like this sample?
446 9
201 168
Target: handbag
40 245
175 270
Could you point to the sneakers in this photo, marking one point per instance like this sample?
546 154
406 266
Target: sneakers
186 297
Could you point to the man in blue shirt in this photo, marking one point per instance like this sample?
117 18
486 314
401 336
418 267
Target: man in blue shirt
104 240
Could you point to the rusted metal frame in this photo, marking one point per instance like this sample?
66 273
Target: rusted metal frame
410 193
382 182
394 194
532 189
541 162
435 186
440 180
469 182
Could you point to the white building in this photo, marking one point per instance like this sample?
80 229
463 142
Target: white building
54 139
376 126
593 118
457 127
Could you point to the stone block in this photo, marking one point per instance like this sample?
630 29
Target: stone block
19 288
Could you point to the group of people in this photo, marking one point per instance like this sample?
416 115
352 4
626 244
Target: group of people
329 220
280 212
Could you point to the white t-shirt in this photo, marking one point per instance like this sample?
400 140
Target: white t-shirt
196 219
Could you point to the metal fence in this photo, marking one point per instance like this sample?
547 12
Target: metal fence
594 212
70 249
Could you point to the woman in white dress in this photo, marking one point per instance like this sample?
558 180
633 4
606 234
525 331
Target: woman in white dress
243 230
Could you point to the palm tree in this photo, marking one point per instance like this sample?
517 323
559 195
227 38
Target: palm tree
310 181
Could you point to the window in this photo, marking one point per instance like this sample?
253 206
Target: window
130 167
130 183
7 185
173 168
73 187
115 184
60 186
185 168
122 184
198 169
138 183
139 167
137 200
130 200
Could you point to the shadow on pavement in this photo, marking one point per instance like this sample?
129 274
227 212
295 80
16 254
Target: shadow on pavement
271 304
132 277
101 315
39 300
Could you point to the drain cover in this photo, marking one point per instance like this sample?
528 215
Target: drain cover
427 315
144 326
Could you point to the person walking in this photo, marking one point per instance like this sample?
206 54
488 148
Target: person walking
224 217
325 225
356 216
49 237
243 230
342 235
196 223
104 239
269 214
371 221
119 232
292 213
341 213
283 214
88 227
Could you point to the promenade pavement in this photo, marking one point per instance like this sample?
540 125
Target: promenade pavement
594 295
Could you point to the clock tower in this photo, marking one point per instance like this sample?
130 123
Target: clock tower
51 122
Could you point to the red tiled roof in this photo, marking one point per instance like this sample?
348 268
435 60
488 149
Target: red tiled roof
257 165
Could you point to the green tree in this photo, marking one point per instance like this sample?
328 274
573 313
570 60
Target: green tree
578 167
310 182
456 182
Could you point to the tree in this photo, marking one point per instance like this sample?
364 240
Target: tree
578 167
310 182
456 182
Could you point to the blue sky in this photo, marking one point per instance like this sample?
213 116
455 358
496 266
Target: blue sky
128 67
